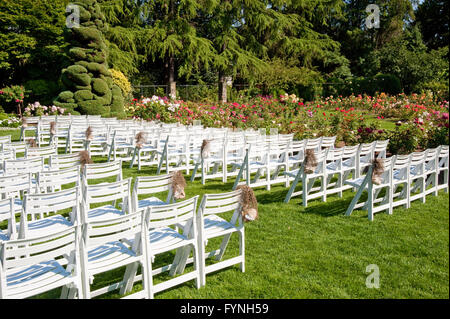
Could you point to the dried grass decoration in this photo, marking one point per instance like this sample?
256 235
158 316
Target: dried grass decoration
32 143
85 158
310 161
248 203
377 170
178 185
141 138
89 136
53 128
206 149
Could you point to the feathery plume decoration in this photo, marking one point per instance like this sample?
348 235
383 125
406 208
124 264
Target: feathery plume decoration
85 158
52 128
140 139
205 149
89 136
178 185
32 143
249 203
377 171
310 161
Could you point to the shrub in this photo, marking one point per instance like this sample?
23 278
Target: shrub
83 95
121 81
99 86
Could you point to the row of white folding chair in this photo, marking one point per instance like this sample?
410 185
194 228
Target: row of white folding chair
335 162
274 156
417 173
107 244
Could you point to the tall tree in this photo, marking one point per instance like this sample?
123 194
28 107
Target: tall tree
170 36
432 17
32 45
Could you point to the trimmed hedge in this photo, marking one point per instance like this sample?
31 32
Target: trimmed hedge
87 82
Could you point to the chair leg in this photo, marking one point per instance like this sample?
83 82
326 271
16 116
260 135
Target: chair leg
128 278
370 204
292 188
242 248
223 246
354 201
194 171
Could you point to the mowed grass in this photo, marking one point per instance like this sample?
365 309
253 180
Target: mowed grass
317 252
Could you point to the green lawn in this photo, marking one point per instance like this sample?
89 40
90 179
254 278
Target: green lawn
317 252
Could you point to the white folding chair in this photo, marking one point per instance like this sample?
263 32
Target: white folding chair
308 191
431 171
210 166
5 156
7 213
17 147
400 177
23 166
100 171
16 186
44 152
443 169
163 238
51 181
33 220
327 142
31 266
146 185
106 193
63 161
366 154
380 148
98 145
112 243
212 225
365 183
417 176
175 151
121 143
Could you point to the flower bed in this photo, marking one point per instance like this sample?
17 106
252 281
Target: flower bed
421 121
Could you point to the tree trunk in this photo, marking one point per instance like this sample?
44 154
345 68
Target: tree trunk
172 84
222 88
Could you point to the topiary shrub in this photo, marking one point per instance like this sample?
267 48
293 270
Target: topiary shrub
99 86
88 79
83 95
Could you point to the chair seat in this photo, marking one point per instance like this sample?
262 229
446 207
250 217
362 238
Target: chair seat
108 256
212 159
345 165
292 173
17 205
151 201
26 281
216 226
104 212
165 239
47 225
3 235
355 182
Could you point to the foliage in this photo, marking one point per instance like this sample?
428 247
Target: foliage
89 71
13 97
122 82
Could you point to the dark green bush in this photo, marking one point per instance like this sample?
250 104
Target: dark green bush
83 95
